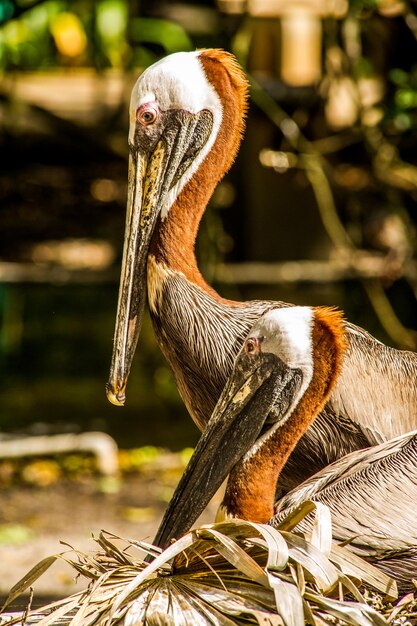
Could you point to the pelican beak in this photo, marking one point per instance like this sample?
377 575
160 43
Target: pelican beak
234 426
157 163
140 221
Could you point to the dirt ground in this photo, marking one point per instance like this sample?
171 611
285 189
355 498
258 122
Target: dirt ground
33 521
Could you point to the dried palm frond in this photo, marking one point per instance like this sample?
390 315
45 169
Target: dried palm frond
230 573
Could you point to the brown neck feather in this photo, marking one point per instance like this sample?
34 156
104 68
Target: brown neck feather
174 239
250 492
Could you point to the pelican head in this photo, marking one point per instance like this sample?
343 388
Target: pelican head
177 110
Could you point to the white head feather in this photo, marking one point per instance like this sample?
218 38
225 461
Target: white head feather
287 333
178 82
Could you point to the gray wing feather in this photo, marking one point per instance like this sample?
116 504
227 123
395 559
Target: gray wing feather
377 388
372 495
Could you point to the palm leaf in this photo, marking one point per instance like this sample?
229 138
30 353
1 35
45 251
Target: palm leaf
235 572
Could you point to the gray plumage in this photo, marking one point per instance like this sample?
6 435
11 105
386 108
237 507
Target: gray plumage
372 495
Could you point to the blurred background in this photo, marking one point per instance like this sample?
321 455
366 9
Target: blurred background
320 207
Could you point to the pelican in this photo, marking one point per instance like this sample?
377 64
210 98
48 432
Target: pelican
282 378
187 116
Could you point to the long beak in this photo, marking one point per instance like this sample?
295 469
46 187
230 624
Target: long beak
234 426
153 171
140 221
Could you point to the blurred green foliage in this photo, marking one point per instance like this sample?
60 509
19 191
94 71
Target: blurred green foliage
401 112
99 34
147 461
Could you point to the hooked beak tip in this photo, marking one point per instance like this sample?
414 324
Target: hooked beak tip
114 395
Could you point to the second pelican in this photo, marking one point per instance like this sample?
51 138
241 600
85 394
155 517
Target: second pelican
283 376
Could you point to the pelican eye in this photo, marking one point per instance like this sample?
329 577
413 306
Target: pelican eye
252 345
147 114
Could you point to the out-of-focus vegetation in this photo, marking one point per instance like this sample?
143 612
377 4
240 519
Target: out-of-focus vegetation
108 33
147 461
323 194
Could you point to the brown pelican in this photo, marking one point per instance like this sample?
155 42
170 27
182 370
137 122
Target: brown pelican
281 380
186 121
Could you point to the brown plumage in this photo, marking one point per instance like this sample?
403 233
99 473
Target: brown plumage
195 105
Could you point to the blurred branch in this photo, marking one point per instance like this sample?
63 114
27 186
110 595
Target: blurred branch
387 316
100 444
358 265
334 143
314 168
31 273
388 166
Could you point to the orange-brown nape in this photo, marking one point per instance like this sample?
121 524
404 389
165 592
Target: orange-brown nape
230 82
250 491
175 237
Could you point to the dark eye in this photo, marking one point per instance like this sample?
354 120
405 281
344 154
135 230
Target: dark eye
147 114
251 346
